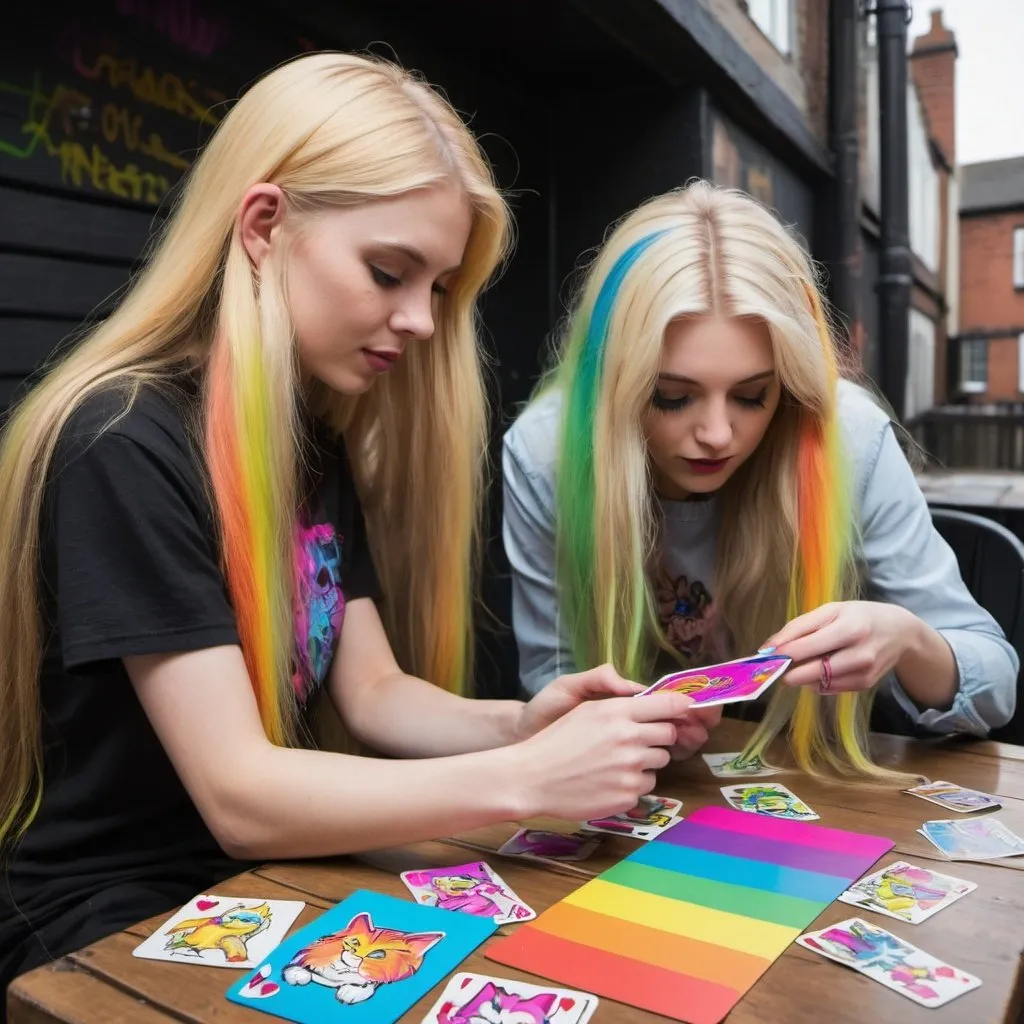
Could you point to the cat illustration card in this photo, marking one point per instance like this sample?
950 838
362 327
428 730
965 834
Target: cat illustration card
651 816
890 960
470 888
770 798
477 999
538 844
906 892
365 961
727 683
221 931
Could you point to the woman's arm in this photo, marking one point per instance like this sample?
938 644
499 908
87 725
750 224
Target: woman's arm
970 686
262 801
387 709
952 668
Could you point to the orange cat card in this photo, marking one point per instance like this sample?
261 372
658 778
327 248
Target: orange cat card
374 955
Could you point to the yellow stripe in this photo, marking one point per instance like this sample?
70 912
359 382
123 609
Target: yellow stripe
733 931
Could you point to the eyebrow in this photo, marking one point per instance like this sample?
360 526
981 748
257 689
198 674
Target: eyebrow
415 255
752 379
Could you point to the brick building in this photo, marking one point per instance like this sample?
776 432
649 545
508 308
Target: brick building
991 340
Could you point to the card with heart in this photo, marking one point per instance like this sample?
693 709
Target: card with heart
365 961
890 960
726 683
470 888
651 816
472 998
906 892
954 797
539 844
770 798
733 766
221 931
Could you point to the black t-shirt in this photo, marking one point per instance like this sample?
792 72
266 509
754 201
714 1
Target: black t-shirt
130 565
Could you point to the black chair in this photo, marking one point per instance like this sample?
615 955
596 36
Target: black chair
991 562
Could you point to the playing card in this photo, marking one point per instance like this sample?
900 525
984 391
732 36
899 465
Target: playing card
473 998
768 798
221 931
651 816
470 888
731 766
540 845
906 892
365 961
742 679
890 960
973 838
954 797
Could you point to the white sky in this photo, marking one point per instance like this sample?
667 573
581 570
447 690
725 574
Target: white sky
989 73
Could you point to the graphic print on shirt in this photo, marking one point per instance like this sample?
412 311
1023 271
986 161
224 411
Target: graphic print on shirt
684 609
319 605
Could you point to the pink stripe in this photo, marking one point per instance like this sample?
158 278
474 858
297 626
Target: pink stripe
800 833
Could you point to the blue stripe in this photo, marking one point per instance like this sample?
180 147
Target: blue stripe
756 874
604 306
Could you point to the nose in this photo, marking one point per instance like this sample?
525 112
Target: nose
414 318
714 429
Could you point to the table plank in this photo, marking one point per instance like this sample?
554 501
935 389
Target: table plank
62 992
980 933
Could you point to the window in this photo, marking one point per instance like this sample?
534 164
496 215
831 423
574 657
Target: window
920 391
974 366
1018 257
775 19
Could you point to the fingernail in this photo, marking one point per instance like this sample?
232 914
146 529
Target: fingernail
765 650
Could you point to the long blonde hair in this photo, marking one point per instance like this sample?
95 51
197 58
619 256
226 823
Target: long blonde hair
328 129
787 536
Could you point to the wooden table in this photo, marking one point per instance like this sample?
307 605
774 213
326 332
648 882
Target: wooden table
982 933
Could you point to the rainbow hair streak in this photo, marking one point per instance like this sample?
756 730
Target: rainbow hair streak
576 537
241 435
823 572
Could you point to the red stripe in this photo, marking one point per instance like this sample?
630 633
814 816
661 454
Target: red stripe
613 976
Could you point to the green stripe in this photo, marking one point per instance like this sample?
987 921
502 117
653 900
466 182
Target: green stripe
735 899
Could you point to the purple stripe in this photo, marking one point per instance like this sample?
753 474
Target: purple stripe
770 851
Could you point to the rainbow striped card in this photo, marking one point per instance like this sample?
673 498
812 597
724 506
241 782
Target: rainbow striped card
689 921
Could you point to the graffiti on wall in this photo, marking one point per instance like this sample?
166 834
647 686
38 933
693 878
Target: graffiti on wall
101 118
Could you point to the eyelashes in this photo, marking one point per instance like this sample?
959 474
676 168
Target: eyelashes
665 404
659 401
386 280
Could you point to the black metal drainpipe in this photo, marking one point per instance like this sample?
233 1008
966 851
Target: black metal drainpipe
895 277
846 253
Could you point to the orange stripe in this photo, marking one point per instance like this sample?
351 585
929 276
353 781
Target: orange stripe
703 960
615 977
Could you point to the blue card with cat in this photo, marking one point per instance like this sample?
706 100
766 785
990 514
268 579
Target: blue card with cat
365 961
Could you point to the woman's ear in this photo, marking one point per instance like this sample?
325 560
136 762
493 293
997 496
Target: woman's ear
260 214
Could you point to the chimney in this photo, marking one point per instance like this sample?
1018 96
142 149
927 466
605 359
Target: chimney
933 65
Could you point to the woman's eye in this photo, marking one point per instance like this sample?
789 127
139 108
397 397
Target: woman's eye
384 279
666 404
754 401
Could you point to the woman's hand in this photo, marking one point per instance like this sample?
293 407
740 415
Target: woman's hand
598 758
567 692
846 645
692 730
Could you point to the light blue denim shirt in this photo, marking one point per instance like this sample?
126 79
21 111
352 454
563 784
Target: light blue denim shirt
904 561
